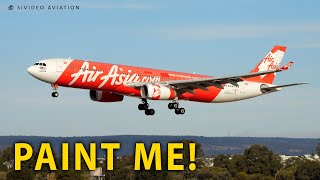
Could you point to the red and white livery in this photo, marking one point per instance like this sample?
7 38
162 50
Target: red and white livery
111 82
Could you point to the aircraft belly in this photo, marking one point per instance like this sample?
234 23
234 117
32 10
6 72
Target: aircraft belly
245 90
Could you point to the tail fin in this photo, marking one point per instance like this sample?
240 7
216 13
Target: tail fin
270 62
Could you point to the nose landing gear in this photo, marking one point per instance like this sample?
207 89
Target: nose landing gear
54 93
145 106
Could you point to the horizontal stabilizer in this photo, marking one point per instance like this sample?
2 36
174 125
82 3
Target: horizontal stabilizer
281 86
287 66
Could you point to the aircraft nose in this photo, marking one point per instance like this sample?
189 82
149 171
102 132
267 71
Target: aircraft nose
31 70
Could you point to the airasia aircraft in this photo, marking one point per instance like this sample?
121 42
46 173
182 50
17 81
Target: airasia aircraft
111 82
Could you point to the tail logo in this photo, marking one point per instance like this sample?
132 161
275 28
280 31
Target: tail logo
268 63
268 58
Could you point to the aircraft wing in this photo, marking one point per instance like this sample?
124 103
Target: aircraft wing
182 86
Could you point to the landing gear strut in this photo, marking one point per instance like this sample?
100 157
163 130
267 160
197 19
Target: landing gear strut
175 105
145 106
54 93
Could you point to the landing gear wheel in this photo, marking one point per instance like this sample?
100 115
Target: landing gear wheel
55 94
173 105
180 111
143 106
150 112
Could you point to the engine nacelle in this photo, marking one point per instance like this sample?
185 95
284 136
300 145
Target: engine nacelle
264 89
156 92
105 96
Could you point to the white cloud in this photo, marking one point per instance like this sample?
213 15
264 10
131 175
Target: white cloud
207 32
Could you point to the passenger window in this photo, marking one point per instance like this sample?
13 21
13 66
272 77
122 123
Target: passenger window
44 64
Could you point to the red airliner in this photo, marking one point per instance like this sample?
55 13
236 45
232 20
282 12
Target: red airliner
111 82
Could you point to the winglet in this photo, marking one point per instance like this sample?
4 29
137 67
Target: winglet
286 67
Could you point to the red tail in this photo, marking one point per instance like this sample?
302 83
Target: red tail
270 62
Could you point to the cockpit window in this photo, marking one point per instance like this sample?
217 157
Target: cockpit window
40 64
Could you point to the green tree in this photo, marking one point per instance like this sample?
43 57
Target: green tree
69 175
216 173
237 164
7 154
259 177
242 176
3 175
3 168
285 174
318 150
221 161
293 162
123 168
24 174
289 168
260 160
151 175
175 175
124 173
27 167
308 170
40 176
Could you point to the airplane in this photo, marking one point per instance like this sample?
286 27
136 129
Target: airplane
111 82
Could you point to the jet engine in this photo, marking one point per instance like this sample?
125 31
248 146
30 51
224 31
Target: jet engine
265 89
156 92
105 96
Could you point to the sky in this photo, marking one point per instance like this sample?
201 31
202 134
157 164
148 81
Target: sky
206 37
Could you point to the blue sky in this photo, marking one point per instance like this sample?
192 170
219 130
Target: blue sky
207 37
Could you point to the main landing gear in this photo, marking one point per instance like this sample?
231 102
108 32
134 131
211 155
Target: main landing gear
145 106
55 92
175 105
150 112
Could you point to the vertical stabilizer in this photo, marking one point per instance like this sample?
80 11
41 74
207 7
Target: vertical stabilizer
270 62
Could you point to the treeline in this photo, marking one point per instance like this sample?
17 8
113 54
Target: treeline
257 162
